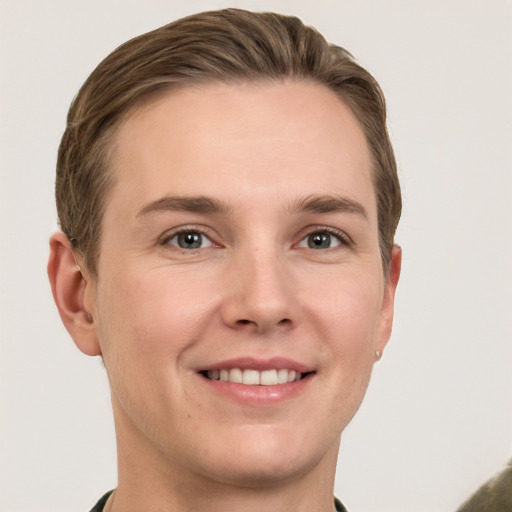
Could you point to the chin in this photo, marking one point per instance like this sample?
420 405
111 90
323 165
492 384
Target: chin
264 460
262 473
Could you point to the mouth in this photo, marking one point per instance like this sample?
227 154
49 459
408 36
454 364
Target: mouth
252 377
254 382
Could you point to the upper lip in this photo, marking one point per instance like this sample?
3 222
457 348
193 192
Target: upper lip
251 363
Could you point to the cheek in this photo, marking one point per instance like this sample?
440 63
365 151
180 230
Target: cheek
146 325
347 314
350 350
349 307
149 315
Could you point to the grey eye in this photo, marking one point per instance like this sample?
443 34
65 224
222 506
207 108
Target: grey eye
190 240
320 240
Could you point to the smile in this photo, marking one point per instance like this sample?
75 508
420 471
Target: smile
251 377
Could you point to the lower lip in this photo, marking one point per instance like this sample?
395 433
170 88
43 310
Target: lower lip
259 395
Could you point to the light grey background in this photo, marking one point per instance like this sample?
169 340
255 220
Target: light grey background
437 419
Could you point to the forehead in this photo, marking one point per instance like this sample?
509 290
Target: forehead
253 139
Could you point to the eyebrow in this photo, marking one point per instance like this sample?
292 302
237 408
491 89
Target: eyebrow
202 204
195 204
328 204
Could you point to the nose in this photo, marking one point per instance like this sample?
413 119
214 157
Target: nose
260 293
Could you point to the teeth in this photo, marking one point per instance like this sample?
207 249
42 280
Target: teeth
236 375
282 376
251 377
214 374
269 377
254 377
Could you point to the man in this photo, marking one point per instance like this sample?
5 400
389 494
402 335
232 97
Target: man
228 198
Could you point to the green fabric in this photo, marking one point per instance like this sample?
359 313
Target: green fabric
493 496
339 506
99 506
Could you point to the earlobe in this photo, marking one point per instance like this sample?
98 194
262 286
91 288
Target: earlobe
69 287
388 302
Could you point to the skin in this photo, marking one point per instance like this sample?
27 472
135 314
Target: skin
286 162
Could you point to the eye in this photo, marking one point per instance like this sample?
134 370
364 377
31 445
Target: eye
189 240
321 240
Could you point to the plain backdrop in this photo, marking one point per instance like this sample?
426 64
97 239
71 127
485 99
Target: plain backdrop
437 419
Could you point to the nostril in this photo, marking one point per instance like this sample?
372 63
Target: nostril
244 321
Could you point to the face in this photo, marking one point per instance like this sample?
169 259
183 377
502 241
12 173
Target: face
240 246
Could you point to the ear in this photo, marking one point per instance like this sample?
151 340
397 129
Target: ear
388 301
73 291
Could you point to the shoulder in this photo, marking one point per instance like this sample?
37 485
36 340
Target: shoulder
493 496
101 503
339 506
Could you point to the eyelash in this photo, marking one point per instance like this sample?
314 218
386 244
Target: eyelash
186 230
341 237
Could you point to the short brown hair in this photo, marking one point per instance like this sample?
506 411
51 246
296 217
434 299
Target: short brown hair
227 45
